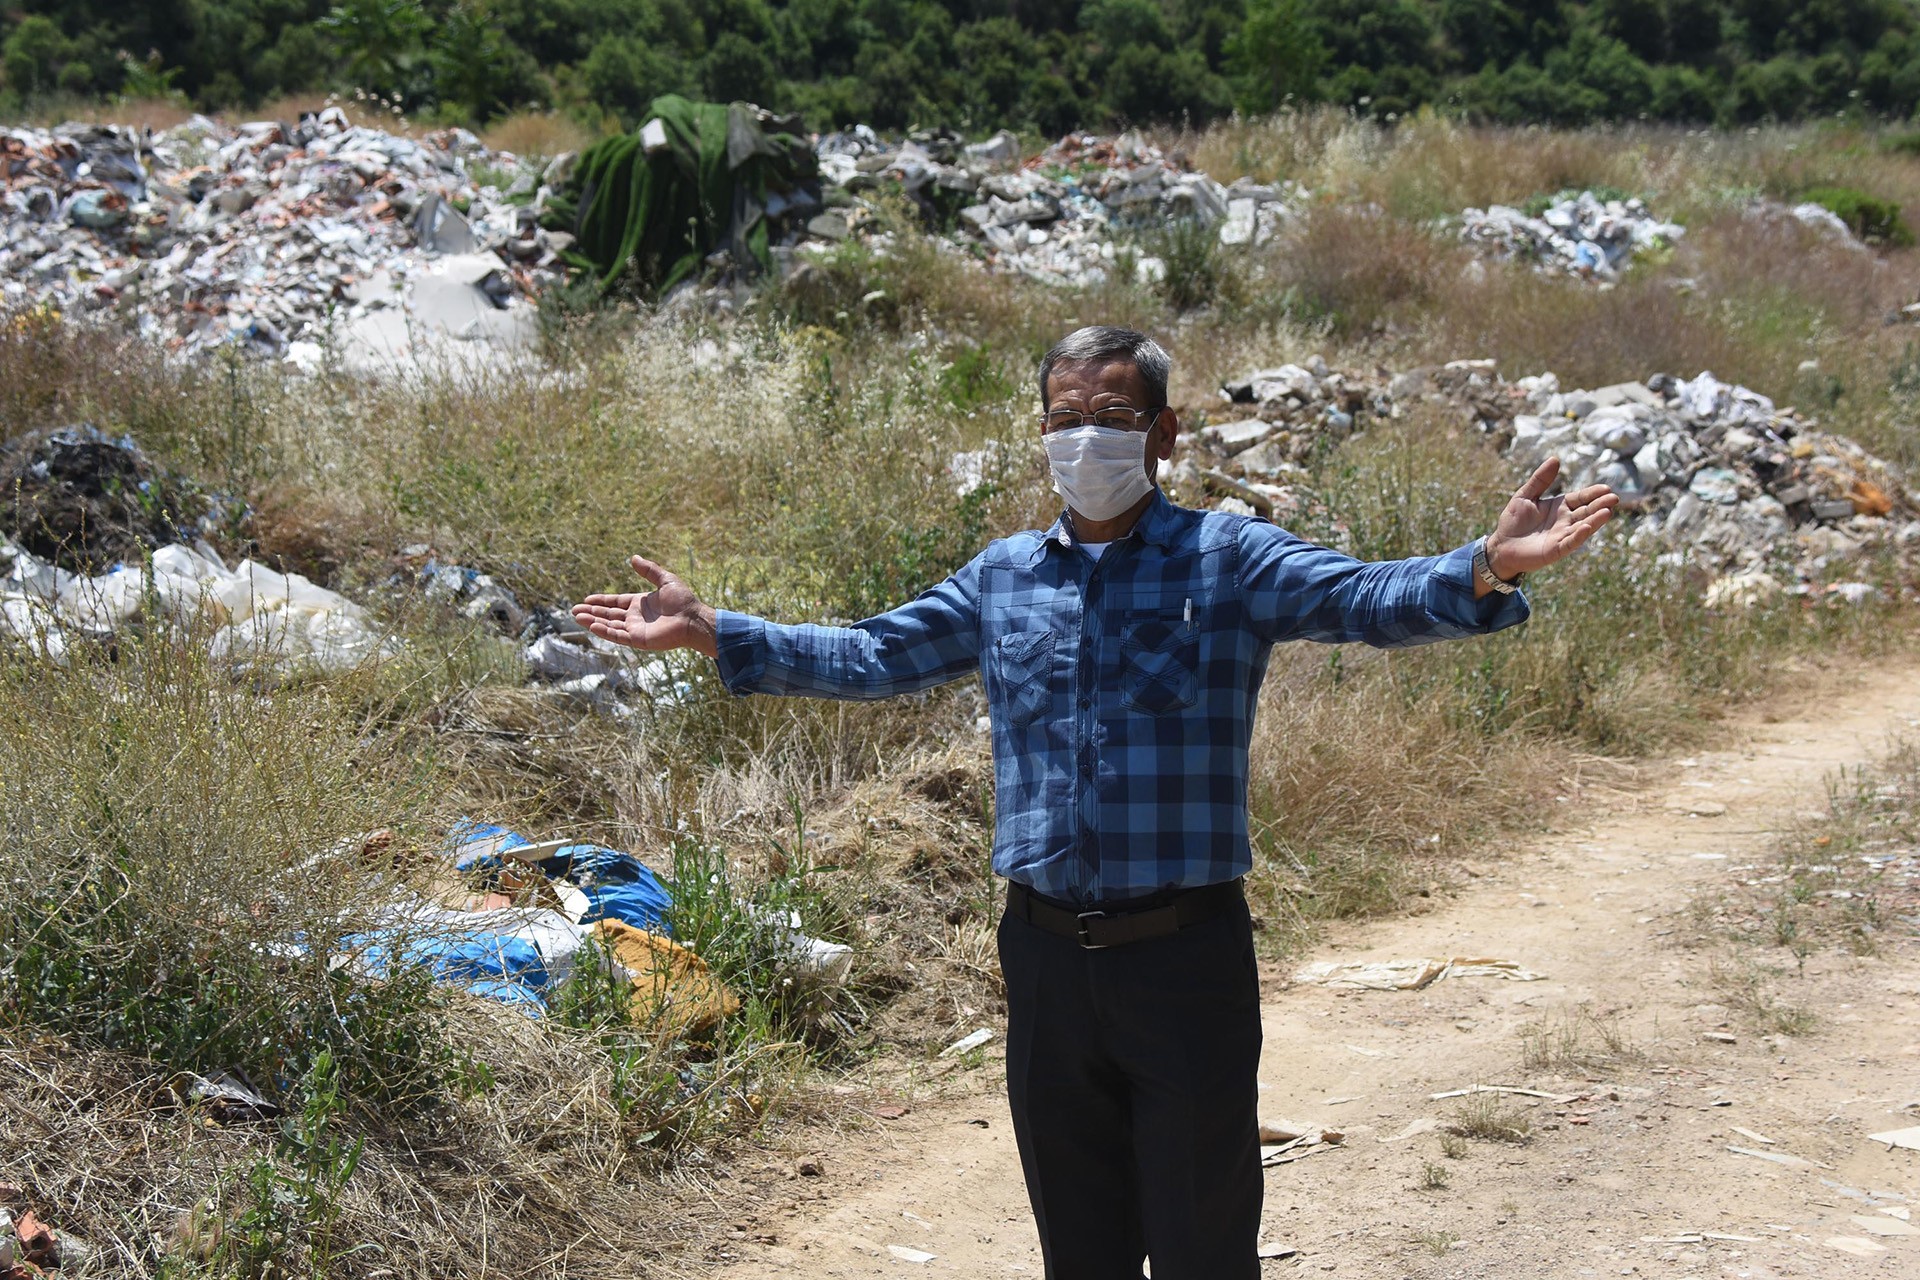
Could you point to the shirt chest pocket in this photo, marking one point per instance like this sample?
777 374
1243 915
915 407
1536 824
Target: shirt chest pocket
1022 674
1159 660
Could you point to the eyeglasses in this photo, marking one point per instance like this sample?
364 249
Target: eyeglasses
1114 417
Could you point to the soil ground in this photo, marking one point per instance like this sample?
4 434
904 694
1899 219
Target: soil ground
1633 1174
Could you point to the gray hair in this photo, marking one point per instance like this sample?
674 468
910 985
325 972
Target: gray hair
1104 342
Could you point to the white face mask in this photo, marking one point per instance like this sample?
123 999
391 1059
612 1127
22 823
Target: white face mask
1100 471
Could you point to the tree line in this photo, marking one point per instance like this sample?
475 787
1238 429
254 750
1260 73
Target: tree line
1049 65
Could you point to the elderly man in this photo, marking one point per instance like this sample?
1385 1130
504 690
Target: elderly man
1122 651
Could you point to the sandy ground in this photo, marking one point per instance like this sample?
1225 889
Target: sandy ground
1629 1171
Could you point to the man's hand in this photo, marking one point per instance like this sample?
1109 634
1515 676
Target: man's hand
668 617
1533 531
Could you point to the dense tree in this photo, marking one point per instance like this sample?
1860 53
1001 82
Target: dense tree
1044 64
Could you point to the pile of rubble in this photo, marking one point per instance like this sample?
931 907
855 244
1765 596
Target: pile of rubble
1579 234
288 238
1056 217
1714 478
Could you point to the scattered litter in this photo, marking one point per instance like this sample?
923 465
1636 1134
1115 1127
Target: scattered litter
1720 1037
1365 1052
1908 1138
1504 1088
890 1111
1858 1246
1723 1235
1276 1251
972 1040
1884 1226
1751 1136
907 1254
1777 1157
229 1099
1579 234
1408 975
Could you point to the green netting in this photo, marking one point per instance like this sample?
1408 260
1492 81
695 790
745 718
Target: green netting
702 189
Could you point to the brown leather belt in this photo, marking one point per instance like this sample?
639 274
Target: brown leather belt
1120 925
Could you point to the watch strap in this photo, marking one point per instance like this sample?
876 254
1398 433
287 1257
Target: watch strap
1483 569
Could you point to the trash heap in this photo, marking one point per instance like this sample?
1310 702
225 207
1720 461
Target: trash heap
560 654
1057 217
512 920
276 235
1578 234
1713 477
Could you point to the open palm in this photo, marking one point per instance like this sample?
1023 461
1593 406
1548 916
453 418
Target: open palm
1534 531
668 617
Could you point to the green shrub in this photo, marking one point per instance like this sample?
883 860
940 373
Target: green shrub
1873 219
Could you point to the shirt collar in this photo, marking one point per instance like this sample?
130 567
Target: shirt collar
1155 525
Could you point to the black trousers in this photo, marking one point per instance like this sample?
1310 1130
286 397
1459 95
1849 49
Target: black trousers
1131 1072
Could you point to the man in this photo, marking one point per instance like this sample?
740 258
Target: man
1122 652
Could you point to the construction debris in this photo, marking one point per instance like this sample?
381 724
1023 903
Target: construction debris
1408 975
1062 217
284 238
1907 1138
1714 478
1578 233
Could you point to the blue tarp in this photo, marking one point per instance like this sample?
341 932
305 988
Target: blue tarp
503 966
618 885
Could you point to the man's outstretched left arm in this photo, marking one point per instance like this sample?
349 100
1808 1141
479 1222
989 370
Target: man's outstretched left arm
1296 590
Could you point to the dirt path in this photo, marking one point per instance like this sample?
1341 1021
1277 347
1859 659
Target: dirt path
1632 1176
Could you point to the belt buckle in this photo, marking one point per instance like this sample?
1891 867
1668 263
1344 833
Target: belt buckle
1084 940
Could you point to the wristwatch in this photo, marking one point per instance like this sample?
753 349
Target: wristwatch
1484 571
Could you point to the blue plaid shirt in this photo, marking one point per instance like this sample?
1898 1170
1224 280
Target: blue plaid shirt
1121 691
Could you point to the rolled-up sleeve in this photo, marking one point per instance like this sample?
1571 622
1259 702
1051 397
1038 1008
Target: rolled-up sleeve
928 641
1295 590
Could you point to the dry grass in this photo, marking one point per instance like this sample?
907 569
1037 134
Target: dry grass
1577 1041
1485 1118
539 1176
536 133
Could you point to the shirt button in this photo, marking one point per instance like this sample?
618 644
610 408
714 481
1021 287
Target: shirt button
1086 768
1085 703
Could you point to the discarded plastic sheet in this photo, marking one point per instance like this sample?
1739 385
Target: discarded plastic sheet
1408 975
618 886
908 1254
972 1040
1907 1138
673 988
1858 1246
230 1099
1751 1136
1884 1226
1276 1251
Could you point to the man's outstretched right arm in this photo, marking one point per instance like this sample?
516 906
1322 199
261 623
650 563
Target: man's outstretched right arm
931 640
